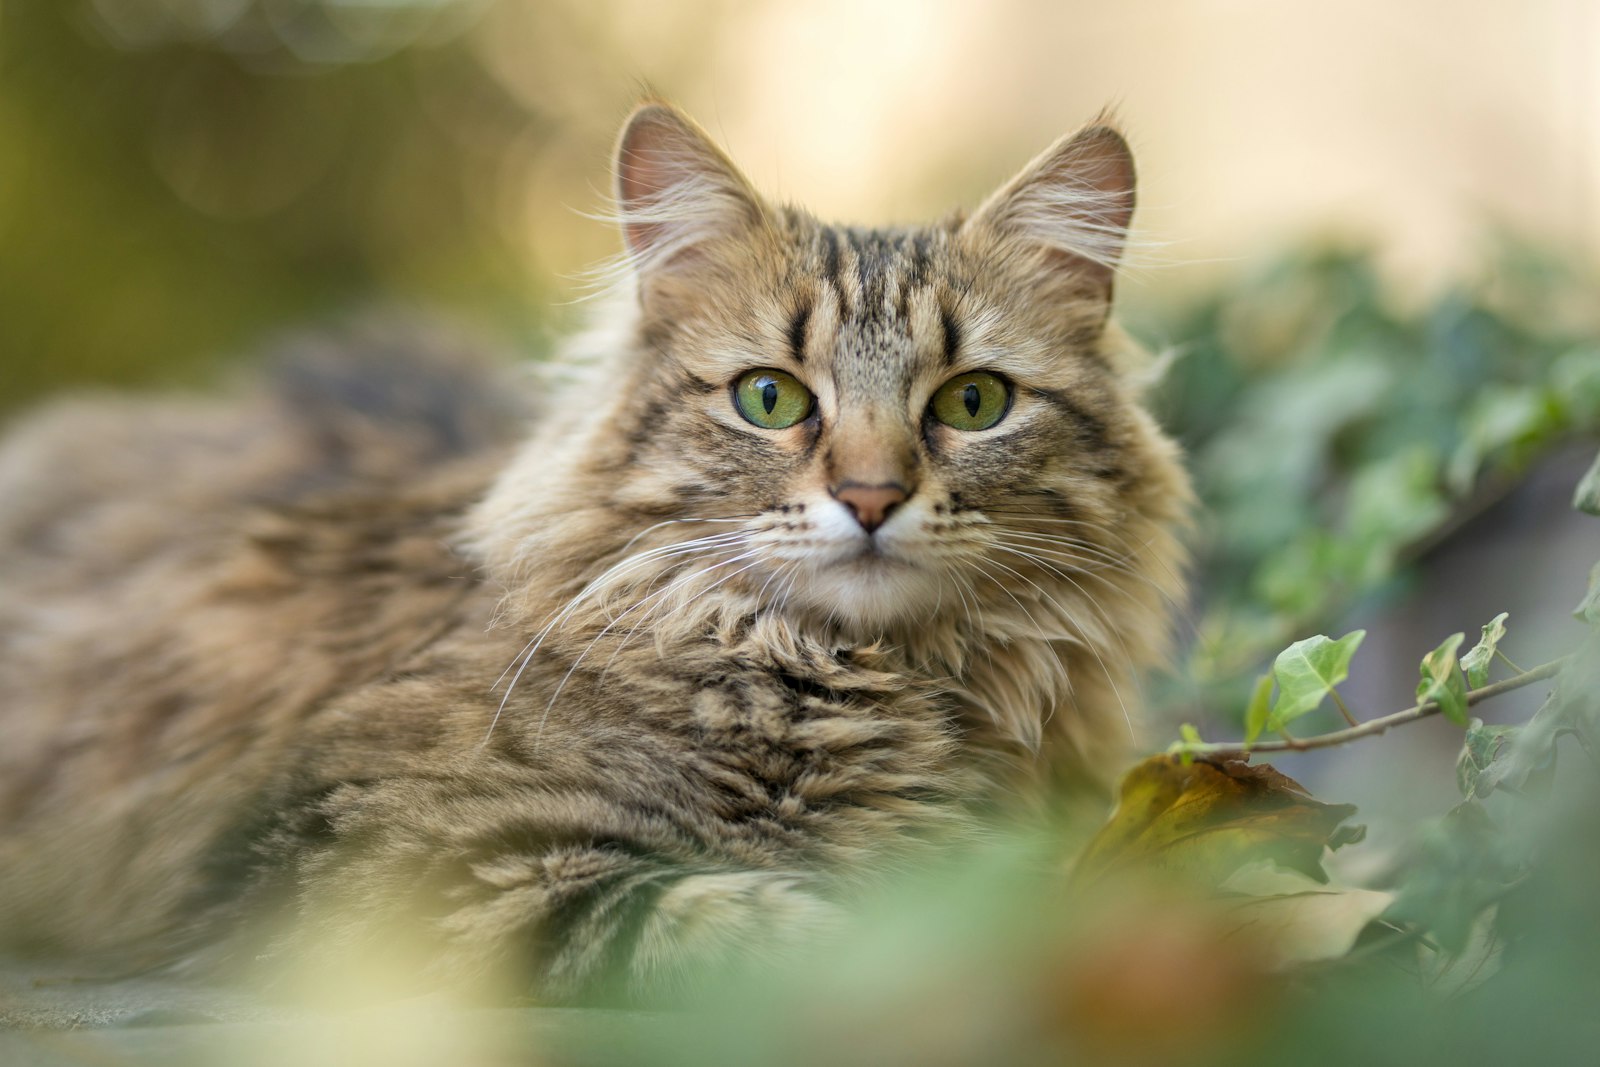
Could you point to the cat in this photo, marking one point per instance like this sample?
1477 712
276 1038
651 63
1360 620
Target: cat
842 542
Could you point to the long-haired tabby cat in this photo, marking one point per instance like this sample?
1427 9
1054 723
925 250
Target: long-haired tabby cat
848 539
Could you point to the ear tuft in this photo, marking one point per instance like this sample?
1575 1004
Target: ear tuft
675 188
1075 200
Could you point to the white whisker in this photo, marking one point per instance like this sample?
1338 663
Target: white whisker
1093 646
589 590
607 629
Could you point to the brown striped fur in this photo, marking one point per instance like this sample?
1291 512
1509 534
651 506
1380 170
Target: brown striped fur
637 696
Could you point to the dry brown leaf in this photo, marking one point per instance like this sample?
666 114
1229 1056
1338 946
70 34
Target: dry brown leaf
1202 821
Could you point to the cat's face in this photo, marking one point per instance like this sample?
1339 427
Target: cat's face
894 423
878 425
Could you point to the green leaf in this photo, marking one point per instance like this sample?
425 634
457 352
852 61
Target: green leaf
1476 662
1480 767
1588 609
1259 708
1587 496
1184 748
1307 671
1573 709
1442 682
1458 868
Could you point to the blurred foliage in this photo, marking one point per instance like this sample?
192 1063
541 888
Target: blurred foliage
1337 435
178 177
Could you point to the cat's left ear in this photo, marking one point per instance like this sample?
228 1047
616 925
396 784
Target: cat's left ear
1074 203
676 190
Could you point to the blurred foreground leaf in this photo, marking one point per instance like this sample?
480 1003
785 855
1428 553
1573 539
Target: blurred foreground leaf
1298 919
1452 973
1460 868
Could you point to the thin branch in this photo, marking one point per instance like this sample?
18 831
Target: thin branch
1373 727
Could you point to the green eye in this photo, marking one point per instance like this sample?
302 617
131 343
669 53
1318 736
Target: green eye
974 401
771 399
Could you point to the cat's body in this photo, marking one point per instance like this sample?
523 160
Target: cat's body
663 687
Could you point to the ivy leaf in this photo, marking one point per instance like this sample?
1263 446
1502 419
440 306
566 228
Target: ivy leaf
1480 768
1525 758
1572 709
1442 682
1258 710
1307 671
1476 662
1587 496
1588 609
1458 868
1452 973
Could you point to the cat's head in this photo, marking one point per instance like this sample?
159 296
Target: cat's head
880 428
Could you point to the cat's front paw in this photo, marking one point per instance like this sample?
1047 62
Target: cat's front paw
709 924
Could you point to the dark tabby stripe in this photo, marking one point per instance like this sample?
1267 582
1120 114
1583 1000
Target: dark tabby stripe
952 334
1090 426
797 332
830 261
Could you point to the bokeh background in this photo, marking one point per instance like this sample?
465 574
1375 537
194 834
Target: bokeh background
179 176
1370 230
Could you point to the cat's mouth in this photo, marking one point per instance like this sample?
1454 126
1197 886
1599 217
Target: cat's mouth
873 551
872 581
870 578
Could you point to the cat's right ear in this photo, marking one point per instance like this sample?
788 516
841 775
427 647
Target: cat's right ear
676 191
1073 204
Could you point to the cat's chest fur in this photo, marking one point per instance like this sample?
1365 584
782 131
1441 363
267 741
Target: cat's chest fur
750 740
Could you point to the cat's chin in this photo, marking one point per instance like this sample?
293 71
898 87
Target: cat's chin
871 592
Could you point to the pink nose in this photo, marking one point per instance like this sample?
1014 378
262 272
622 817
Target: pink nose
871 504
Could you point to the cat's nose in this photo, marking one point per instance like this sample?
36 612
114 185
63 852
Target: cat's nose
871 504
